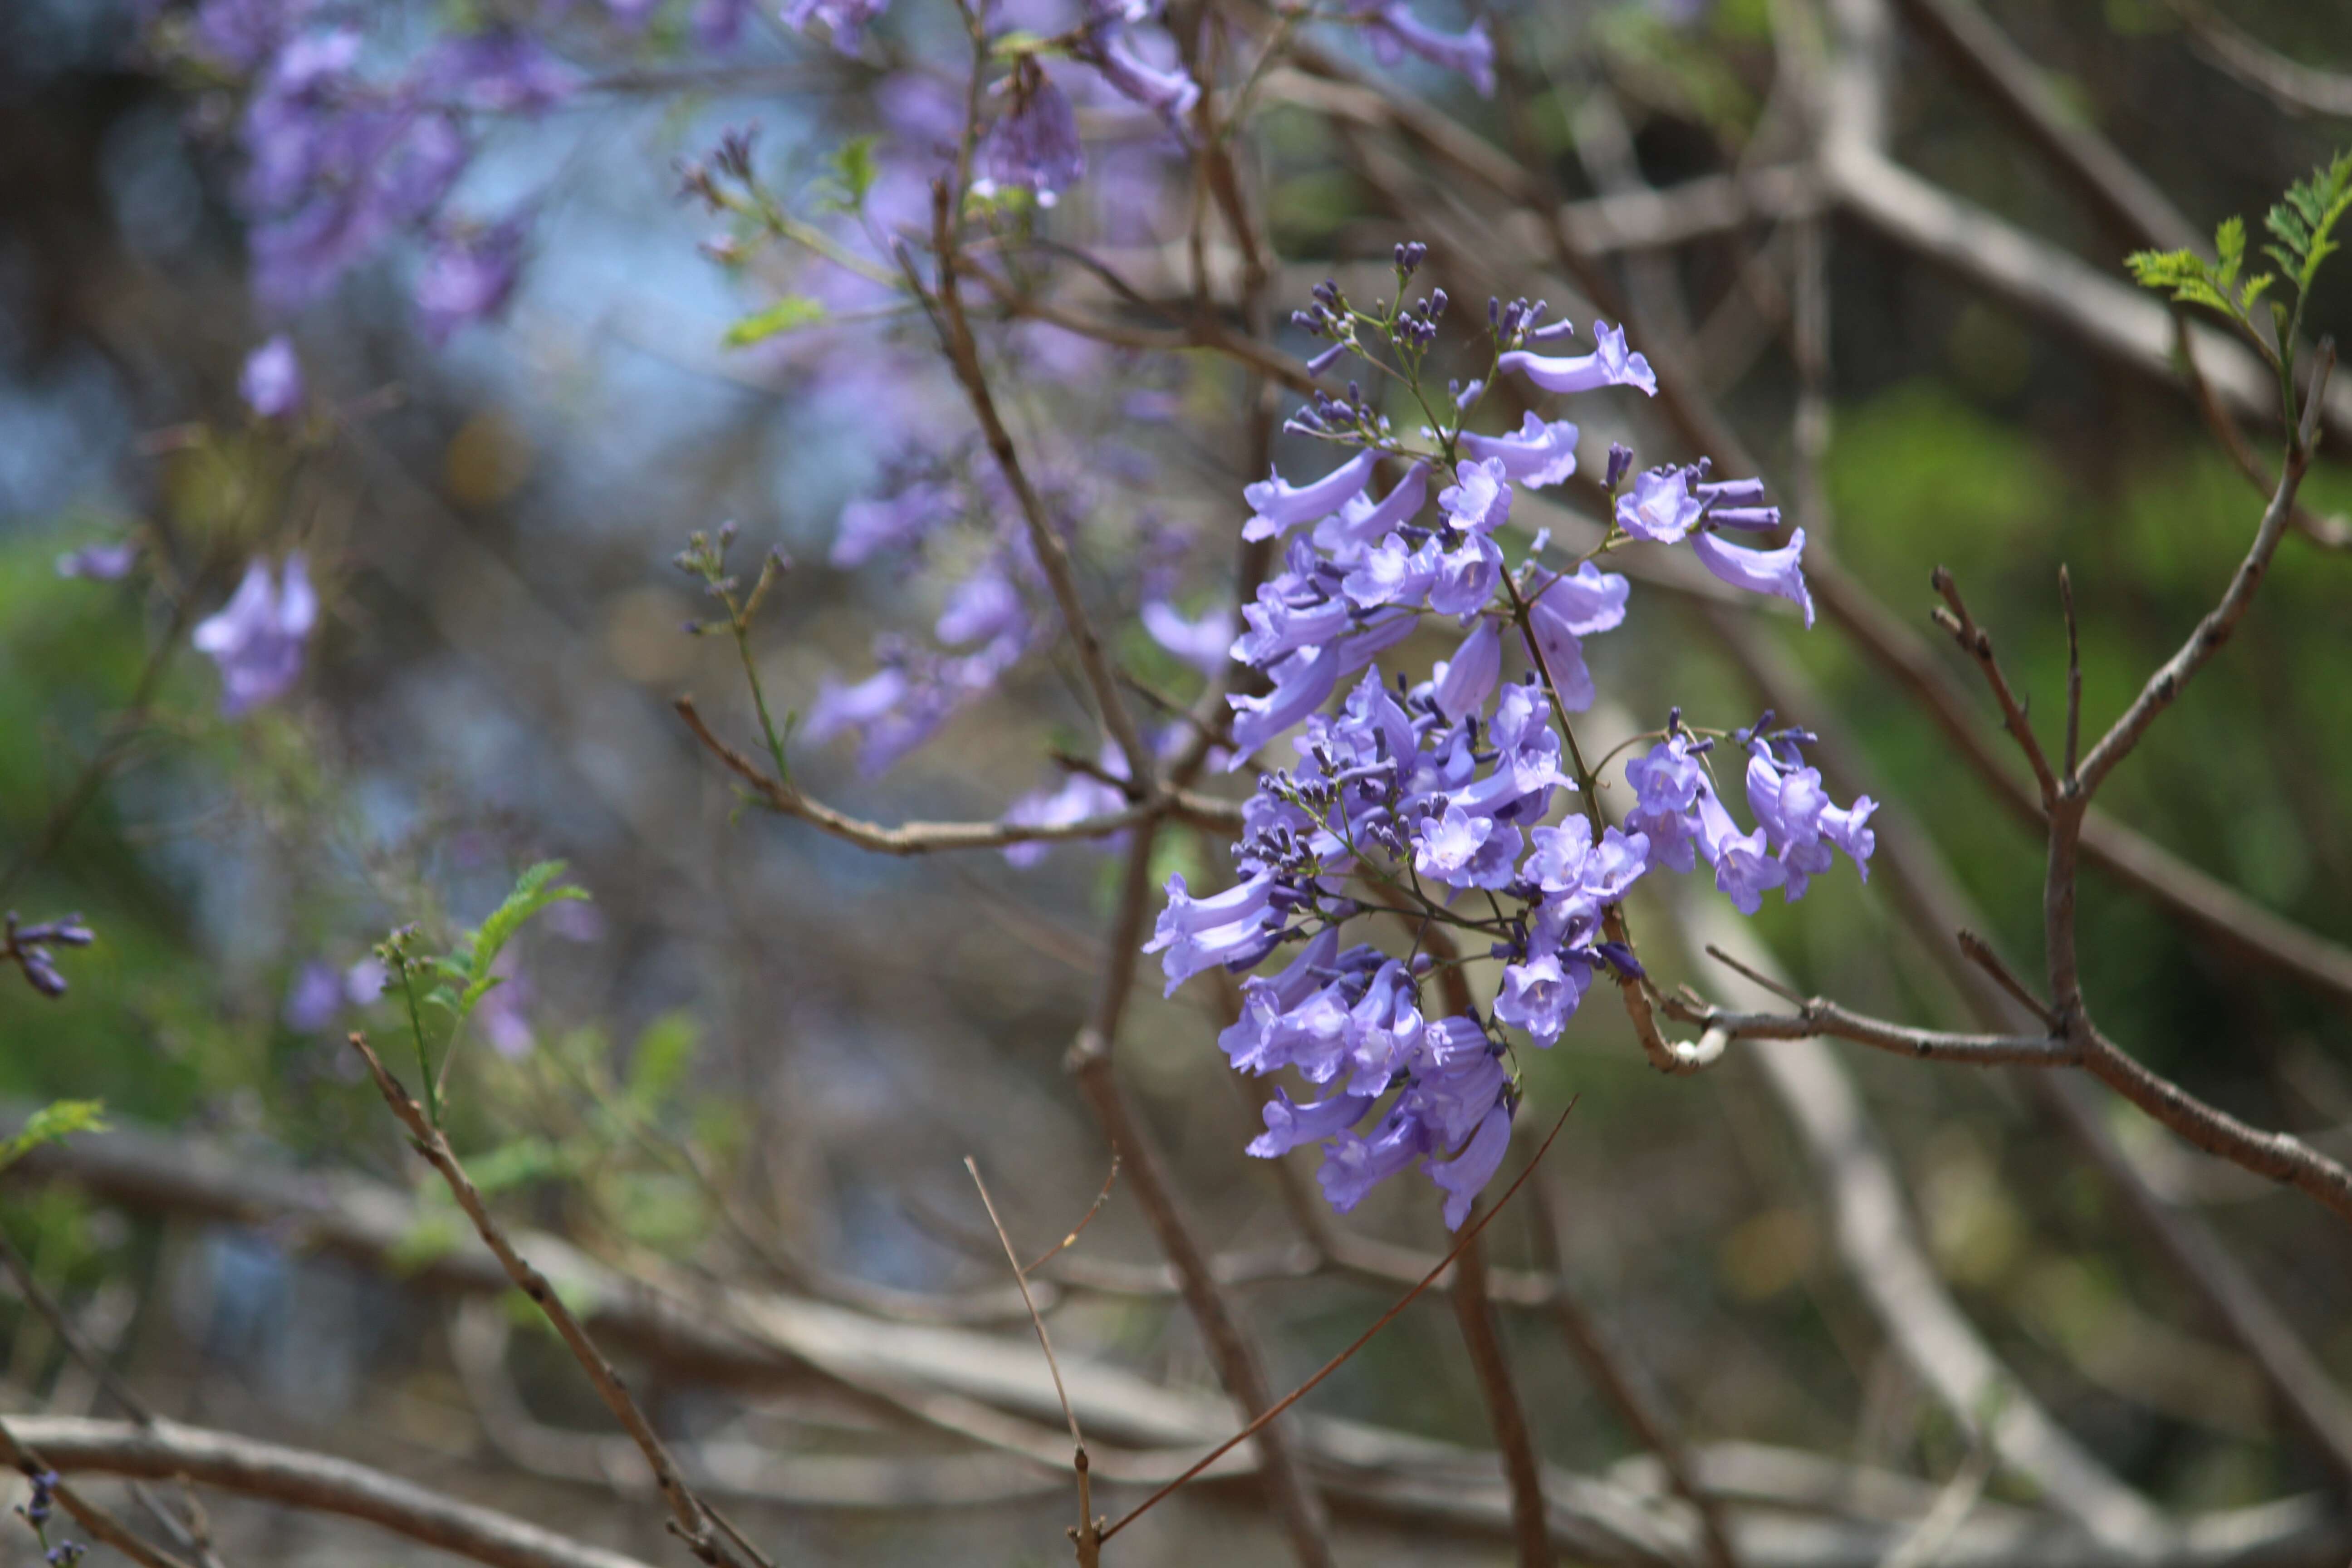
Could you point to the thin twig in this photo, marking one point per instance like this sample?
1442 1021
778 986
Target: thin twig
1977 642
102 1525
688 1517
1981 954
2073 679
1078 1229
1482 1337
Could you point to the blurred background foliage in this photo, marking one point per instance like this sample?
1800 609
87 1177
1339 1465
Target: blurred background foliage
492 525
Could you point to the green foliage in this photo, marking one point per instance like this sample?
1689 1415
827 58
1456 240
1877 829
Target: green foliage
788 314
664 1052
2303 226
850 172
462 977
53 1123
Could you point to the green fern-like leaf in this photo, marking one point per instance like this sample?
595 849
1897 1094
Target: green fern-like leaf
2184 275
533 891
2304 224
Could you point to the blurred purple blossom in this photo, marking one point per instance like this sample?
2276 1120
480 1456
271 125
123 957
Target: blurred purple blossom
99 563
469 274
1034 144
257 638
271 382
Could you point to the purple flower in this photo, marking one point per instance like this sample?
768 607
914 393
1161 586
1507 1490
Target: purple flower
1362 523
241 34
271 383
1562 653
1584 602
1777 572
1744 867
1467 679
1392 572
314 1000
1353 1165
871 525
1205 644
1393 30
1468 576
1667 781
257 637
1463 849
499 70
99 563
1288 1124
1660 508
1536 456
1609 364
983 607
1277 506
1539 995
1304 680
470 274
1034 146
1465 1175
1200 933
1106 45
1480 501
28 948
844 19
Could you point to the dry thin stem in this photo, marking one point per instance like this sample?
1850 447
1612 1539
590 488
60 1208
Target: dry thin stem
1980 952
688 1517
1470 1234
1087 1532
1977 642
1078 1229
1052 553
1819 1018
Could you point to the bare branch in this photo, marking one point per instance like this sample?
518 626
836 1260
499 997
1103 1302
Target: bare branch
21 1451
1980 952
692 1521
1469 1234
1482 1336
2292 86
305 1481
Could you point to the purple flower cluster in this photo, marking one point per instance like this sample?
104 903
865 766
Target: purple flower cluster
342 158
28 948
1438 796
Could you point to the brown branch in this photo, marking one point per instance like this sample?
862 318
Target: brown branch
2327 532
1482 1337
1820 1018
692 1521
297 1479
2280 1156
